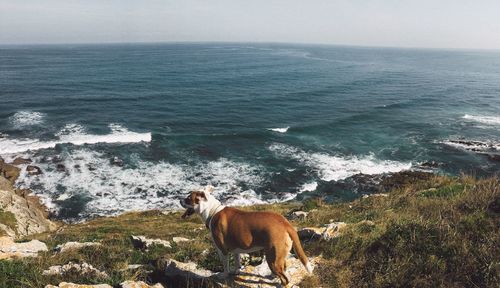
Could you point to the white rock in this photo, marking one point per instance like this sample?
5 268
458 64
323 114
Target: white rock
301 215
74 246
187 270
326 232
9 249
142 242
73 285
375 195
180 239
139 284
83 269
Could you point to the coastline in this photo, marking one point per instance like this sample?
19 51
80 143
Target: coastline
410 222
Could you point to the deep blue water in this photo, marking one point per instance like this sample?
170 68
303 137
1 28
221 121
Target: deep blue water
180 116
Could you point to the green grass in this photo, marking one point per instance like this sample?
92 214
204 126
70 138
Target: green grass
437 232
7 218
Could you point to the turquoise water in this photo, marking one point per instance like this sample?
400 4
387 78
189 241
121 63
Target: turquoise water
137 126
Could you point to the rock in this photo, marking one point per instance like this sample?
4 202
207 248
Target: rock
261 276
494 157
326 233
33 170
189 275
400 179
375 195
134 266
9 249
139 284
20 161
180 239
117 161
298 215
254 258
141 242
189 270
8 171
29 214
84 269
429 164
74 246
72 285
61 168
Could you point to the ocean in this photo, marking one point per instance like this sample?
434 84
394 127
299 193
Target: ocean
123 127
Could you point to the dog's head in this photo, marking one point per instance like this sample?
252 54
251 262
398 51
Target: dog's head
196 201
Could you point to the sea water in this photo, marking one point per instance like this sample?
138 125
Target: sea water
136 126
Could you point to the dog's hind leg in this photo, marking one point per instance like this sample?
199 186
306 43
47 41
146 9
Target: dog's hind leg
237 263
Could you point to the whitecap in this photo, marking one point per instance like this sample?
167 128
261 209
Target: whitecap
490 120
73 134
279 130
26 118
308 187
473 145
336 168
141 185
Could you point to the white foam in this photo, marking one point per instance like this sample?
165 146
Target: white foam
279 130
308 187
490 120
76 135
26 118
145 185
473 145
336 168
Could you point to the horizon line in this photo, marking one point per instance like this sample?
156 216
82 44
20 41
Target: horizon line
251 42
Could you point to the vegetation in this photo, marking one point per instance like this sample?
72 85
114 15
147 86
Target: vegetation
438 232
8 219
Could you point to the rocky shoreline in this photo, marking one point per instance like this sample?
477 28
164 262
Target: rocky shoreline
155 249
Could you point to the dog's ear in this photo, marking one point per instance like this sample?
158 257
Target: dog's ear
208 189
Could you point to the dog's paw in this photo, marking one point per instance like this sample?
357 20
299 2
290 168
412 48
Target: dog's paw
222 275
235 272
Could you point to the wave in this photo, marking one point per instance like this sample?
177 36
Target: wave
140 185
279 130
308 187
334 168
26 118
73 134
473 145
490 120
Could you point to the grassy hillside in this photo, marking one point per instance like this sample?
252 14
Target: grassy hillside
439 232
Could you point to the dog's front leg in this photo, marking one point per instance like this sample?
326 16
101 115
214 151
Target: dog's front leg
225 262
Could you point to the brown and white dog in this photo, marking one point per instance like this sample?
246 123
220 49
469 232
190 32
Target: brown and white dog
236 231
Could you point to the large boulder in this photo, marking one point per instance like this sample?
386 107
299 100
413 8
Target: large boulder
73 285
9 171
30 215
10 249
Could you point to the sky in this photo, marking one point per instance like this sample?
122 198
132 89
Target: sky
469 24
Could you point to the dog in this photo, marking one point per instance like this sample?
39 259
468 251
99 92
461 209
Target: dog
236 231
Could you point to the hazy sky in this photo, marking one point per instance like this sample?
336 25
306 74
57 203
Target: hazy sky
415 23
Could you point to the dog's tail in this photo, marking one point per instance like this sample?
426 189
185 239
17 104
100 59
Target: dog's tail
297 247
